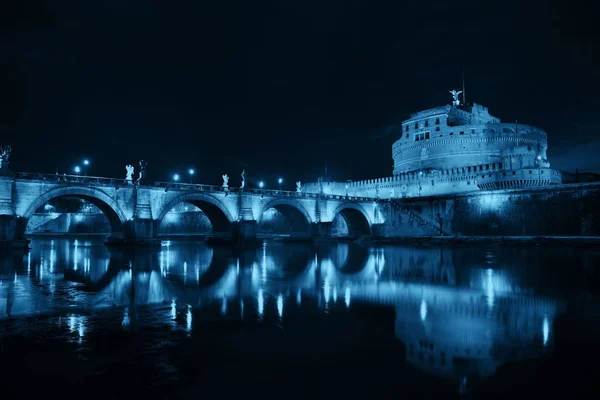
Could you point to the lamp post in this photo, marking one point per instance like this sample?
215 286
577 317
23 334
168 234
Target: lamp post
86 164
77 169
261 184
191 171
279 182
176 177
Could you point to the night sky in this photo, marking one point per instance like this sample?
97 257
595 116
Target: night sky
283 88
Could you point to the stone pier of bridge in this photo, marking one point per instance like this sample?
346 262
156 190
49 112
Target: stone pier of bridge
135 210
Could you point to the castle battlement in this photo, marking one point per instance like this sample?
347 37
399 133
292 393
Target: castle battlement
453 149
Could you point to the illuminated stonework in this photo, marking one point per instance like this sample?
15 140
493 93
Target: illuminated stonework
457 149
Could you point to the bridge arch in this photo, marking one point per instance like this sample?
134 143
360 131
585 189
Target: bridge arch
99 198
356 218
293 211
216 211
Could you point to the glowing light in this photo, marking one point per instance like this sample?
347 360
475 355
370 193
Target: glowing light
423 310
188 319
334 294
326 290
280 181
48 207
176 177
299 297
490 288
260 303
347 297
280 305
191 171
86 162
125 317
224 306
545 330
77 169
261 184
173 310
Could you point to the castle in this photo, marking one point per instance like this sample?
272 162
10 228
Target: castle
456 148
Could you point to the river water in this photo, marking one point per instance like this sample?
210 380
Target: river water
78 319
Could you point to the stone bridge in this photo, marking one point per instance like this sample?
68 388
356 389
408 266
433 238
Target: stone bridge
135 211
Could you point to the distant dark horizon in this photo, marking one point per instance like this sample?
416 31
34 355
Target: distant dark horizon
283 90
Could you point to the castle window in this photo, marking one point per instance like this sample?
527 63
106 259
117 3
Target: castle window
462 132
407 134
437 128
499 165
451 133
416 125
529 172
437 121
472 131
514 173
504 174
427 123
487 166
421 136
469 169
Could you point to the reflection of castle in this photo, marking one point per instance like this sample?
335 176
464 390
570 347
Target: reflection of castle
457 148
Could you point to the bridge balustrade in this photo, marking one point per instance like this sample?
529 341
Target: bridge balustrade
104 181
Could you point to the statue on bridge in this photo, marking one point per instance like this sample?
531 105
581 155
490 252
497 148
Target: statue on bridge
5 156
143 164
243 179
298 187
128 177
225 181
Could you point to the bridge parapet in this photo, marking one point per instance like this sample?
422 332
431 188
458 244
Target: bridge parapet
105 181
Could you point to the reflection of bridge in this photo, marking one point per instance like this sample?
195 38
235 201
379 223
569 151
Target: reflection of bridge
135 211
448 329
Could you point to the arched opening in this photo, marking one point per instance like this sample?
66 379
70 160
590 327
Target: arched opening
349 258
350 221
281 218
72 211
68 215
194 215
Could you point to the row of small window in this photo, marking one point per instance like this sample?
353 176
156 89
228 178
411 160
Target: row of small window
426 124
425 135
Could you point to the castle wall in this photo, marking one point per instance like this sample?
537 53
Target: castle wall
566 210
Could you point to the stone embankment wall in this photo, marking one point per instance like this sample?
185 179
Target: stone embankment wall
565 210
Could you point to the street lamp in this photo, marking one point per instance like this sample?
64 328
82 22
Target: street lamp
176 177
77 169
191 171
86 162
261 184
280 181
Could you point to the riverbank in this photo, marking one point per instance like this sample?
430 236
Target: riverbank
580 241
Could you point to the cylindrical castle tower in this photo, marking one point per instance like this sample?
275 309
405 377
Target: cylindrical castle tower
456 149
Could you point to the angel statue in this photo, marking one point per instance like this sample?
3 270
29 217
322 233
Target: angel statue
128 178
143 164
243 179
298 187
5 156
225 181
454 93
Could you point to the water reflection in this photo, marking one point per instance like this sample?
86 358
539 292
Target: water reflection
458 312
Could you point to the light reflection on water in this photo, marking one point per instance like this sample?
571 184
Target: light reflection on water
455 312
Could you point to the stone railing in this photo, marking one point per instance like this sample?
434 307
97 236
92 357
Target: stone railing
103 181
